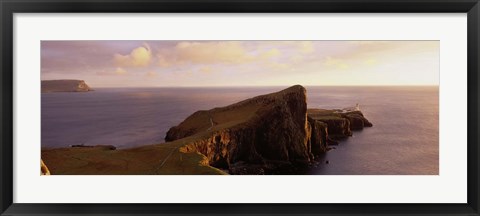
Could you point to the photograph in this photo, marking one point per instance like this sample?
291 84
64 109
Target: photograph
239 107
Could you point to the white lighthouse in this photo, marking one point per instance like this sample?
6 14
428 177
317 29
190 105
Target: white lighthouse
357 107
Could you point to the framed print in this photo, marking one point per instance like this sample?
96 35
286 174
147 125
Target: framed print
245 108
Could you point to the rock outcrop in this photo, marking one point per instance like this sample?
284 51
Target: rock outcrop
329 126
264 133
64 86
268 130
357 120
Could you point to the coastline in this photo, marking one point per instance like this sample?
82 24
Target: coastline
192 153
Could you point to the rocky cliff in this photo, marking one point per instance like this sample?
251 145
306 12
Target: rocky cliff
331 126
265 132
64 86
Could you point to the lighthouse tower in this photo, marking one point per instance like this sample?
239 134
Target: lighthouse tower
357 107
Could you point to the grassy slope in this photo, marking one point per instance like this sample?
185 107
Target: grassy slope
165 158
323 114
145 160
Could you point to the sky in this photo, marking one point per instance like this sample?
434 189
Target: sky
241 63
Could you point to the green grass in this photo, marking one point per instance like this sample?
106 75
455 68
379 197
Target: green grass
160 159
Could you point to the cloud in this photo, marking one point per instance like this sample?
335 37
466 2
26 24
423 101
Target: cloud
335 63
120 71
63 57
361 49
163 62
205 70
376 53
212 52
279 66
117 71
306 47
151 74
218 52
138 57
370 62
270 54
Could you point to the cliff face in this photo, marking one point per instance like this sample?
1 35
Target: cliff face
64 86
329 126
357 120
267 130
319 137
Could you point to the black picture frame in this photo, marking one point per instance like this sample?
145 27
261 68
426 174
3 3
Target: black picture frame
9 7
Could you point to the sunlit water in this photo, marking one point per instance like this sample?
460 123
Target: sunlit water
403 140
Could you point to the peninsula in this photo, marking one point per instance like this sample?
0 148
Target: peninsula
64 86
268 134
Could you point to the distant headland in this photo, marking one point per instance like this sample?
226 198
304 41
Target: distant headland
65 86
268 134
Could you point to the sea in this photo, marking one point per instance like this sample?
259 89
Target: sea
404 139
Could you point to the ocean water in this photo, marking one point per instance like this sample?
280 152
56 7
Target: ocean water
403 140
